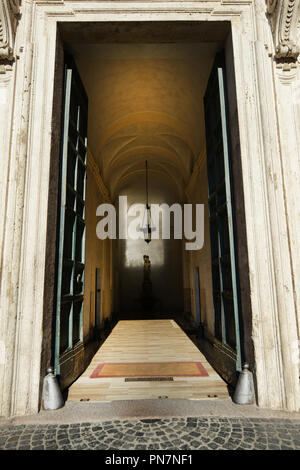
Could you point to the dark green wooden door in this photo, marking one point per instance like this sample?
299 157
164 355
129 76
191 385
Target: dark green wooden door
223 255
70 282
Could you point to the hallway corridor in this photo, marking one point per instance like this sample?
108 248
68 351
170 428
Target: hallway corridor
144 359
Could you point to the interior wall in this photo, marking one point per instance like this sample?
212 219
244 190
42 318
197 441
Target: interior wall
198 194
165 255
97 255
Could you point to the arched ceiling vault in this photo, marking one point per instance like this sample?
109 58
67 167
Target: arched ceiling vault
139 173
145 103
137 153
134 119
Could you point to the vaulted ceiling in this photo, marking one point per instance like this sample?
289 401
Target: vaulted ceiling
145 102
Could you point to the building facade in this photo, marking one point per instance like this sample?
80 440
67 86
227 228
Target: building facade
261 40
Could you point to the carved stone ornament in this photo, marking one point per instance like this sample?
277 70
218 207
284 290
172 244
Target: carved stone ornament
9 15
285 16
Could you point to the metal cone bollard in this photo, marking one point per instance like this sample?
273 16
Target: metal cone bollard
244 391
52 396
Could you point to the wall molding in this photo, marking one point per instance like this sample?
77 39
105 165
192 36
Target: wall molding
284 16
197 168
9 16
94 168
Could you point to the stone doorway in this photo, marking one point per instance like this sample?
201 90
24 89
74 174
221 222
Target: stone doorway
146 102
268 136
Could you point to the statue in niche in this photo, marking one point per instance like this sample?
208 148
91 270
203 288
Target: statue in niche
147 268
147 295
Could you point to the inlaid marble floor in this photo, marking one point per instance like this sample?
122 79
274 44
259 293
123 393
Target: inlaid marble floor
147 341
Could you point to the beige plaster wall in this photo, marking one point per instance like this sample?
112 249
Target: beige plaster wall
202 258
98 254
165 255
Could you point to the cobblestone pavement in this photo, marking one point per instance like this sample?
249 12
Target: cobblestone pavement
157 434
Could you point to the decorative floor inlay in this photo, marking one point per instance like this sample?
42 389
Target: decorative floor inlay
137 361
150 369
149 379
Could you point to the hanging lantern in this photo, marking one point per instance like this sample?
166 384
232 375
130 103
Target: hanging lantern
148 225
148 229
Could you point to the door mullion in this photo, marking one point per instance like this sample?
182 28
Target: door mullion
68 82
229 210
223 323
74 247
225 276
83 240
218 204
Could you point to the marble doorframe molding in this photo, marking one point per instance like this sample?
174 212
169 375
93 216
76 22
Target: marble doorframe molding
284 16
9 16
274 326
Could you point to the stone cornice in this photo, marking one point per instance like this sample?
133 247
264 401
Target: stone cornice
9 15
284 16
93 167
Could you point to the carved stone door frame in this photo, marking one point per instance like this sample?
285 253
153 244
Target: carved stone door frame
29 91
